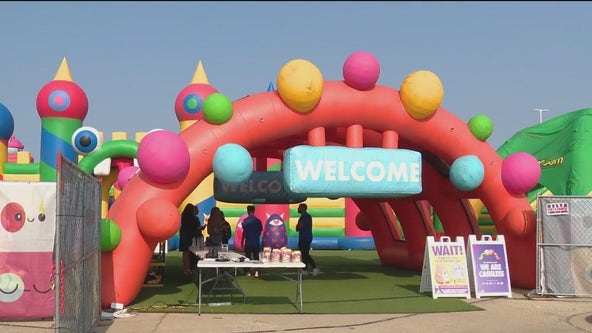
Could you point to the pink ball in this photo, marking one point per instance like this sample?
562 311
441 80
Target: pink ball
163 157
361 70
125 175
520 173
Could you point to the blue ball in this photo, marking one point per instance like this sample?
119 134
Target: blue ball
6 123
232 164
467 172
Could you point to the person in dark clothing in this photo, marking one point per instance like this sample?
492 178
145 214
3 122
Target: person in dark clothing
217 225
251 241
190 228
304 228
227 230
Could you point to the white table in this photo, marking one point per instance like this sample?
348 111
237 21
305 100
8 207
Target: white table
234 262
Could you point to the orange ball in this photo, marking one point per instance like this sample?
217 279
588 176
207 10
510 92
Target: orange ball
158 219
300 85
421 93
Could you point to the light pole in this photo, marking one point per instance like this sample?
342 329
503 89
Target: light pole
540 111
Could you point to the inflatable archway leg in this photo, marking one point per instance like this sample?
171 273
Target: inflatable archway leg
390 251
415 228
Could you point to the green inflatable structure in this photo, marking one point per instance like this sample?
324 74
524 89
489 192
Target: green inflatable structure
563 147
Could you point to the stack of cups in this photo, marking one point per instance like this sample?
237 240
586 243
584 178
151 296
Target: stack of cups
266 257
276 255
286 254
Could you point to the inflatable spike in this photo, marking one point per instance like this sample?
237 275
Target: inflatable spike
200 75
63 73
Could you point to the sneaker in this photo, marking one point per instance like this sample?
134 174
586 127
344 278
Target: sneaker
316 272
304 272
256 274
249 274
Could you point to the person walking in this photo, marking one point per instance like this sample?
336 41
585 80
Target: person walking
251 242
190 228
304 228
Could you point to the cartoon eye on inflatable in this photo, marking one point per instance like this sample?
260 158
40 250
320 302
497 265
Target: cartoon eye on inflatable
276 222
41 216
86 140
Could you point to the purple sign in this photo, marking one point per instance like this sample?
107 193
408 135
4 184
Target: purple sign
490 269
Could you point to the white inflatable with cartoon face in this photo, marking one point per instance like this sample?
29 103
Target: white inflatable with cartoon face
27 235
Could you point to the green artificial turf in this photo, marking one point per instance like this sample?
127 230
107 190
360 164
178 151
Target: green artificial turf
351 282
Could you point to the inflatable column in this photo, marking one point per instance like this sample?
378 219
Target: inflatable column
62 106
189 101
188 109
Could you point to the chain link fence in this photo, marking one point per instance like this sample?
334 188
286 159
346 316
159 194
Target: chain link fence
564 246
77 249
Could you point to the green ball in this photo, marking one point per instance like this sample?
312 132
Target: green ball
110 235
481 127
217 109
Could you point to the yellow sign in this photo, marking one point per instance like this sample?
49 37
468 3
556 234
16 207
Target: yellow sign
550 163
445 271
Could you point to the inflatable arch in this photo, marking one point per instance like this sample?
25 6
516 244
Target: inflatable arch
268 123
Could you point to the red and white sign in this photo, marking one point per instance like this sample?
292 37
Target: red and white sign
557 208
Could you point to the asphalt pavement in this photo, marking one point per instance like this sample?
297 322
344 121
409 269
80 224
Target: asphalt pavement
520 313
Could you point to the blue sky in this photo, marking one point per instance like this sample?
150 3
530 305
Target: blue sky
501 59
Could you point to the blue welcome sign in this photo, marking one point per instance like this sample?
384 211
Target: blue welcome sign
352 172
261 187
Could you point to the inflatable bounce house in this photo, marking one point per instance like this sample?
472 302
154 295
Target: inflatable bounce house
561 146
380 168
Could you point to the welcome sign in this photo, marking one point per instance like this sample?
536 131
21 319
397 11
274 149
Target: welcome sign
352 172
261 187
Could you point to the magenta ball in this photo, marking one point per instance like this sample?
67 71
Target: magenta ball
163 157
520 172
361 70
125 175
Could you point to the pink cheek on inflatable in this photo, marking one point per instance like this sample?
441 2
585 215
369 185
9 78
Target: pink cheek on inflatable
13 217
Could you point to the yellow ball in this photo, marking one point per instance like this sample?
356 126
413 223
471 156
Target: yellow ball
300 85
421 93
